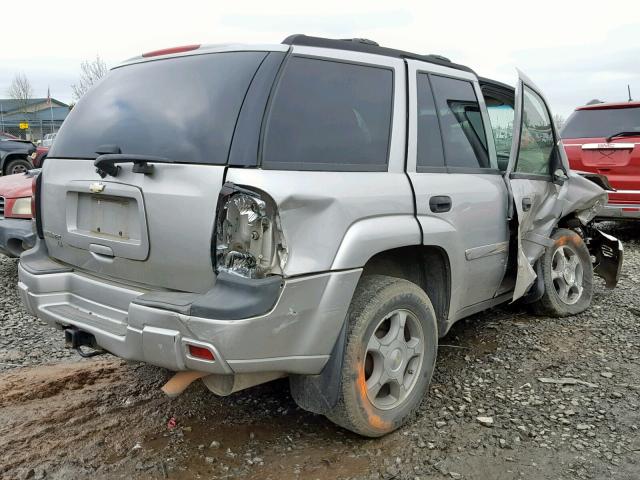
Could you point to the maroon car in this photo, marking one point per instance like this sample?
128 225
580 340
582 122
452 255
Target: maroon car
16 232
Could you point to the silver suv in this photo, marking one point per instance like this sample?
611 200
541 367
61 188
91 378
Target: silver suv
319 209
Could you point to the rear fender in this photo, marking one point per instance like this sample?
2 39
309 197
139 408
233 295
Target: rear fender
370 236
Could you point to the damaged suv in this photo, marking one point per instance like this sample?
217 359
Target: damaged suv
320 209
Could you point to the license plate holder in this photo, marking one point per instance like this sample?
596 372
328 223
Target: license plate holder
110 217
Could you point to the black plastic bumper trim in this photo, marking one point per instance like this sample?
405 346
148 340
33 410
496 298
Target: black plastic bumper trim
232 298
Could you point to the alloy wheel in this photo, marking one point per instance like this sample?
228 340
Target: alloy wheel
394 359
567 274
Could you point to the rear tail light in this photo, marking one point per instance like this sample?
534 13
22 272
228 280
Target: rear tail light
201 353
248 240
169 51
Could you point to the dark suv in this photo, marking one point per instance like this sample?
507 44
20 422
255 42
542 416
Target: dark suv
16 155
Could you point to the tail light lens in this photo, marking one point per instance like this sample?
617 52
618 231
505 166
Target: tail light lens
168 51
249 239
201 352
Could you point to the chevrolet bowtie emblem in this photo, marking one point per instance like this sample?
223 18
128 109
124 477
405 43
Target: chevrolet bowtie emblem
96 187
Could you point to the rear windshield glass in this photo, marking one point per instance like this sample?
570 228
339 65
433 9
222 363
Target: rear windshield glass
183 109
601 122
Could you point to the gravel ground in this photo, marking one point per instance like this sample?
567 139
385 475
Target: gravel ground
514 396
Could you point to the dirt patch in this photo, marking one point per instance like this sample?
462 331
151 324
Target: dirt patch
105 418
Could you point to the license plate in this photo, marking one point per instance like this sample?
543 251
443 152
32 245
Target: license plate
110 217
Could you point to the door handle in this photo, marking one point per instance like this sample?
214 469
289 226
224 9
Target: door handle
440 203
526 204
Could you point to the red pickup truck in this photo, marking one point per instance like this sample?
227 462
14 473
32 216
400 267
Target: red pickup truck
605 139
16 232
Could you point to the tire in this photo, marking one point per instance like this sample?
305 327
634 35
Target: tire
19 165
568 290
374 319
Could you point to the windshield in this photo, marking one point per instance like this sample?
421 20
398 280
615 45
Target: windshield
601 122
183 109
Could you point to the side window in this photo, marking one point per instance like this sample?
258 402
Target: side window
329 115
430 152
501 116
536 139
465 142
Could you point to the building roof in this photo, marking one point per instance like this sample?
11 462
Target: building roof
58 114
10 104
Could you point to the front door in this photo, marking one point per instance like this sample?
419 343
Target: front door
536 176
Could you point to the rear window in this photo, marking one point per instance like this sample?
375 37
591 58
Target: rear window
329 115
465 142
183 109
601 122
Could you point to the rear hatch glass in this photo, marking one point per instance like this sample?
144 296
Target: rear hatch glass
151 229
183 109
601 123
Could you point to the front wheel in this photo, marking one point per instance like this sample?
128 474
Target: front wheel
389 356
567 273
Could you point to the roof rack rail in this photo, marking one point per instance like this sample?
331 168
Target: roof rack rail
369 46
366 41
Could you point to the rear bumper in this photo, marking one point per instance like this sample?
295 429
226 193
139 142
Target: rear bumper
295 336
617 211
16 235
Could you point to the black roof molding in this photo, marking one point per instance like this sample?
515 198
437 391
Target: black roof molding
369 46
484 81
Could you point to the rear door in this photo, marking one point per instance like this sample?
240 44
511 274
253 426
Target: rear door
461 197
538 193
155 227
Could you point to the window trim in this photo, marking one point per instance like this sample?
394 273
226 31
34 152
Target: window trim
427 168
324 167
515 174
530 176
459 169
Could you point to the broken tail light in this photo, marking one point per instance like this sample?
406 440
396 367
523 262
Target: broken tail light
249 239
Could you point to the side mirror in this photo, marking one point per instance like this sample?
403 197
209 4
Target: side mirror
559 176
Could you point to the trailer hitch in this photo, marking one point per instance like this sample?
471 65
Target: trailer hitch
76 339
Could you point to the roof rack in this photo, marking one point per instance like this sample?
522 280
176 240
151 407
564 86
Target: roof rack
369 46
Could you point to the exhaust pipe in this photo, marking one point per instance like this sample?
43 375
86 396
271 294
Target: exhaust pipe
180 381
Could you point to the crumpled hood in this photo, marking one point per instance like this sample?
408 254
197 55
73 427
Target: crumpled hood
15 186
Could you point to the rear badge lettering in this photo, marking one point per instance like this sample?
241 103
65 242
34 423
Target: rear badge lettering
54 236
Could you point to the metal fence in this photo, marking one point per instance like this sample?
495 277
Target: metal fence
36 131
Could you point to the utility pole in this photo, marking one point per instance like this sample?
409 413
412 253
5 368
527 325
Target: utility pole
629 91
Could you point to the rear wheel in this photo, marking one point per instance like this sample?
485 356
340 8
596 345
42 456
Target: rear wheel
568 276
389 356
19 165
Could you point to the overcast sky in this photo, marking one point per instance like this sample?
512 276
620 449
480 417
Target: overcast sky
574 50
